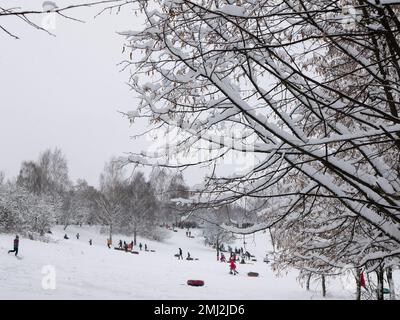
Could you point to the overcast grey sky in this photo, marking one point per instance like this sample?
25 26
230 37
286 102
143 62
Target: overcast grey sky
66 91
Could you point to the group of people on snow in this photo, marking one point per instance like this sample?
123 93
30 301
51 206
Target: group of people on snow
128 246
124 245
188 233
77 237
179 255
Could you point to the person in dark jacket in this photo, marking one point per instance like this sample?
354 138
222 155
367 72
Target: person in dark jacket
180 254
66 237
90 242
77 236
140 246
16 245
120 244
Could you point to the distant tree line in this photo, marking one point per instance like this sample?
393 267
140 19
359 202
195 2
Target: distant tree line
43 195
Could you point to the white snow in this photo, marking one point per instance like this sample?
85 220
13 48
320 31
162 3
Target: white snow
96 272
49 6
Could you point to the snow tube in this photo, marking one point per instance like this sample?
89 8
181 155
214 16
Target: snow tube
195 283
252 274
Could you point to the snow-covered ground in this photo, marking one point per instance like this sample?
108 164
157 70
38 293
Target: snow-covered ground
96 272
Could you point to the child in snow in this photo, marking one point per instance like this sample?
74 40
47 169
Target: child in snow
222 259
16 245
90 241
66 237
232 267
140 246
180 256
77 236
109 243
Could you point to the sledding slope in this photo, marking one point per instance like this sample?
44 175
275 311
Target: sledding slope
96 272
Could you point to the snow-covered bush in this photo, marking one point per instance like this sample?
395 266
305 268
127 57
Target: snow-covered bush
22 211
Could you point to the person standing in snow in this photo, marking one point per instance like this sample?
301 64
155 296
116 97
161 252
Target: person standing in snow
140 246
120 244
145 247
90 241
109 243
222 259
180 254
248 255
232 267
16 245
77 236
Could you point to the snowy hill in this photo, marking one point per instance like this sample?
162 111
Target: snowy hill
96 272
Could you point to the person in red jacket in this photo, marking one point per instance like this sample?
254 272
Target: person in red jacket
222 259
16 245
232 267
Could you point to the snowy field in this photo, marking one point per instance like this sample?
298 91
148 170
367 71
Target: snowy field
96 272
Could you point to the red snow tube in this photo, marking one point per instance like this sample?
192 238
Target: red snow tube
195 283
252 274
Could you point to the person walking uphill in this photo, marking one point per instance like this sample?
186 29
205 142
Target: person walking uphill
16 245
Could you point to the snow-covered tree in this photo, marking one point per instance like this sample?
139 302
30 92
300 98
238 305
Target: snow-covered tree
140 215
110 199
25 212
77 206
313 103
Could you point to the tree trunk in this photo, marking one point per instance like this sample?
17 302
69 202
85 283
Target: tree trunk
389 276
358 284
111 232
323 286
134 236
308 281
217 249
272 239
379 289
